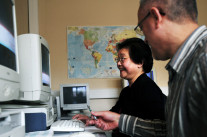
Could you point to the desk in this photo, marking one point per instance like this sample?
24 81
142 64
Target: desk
49 133
92 129
68 135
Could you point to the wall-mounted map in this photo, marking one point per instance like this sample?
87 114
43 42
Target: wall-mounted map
92 50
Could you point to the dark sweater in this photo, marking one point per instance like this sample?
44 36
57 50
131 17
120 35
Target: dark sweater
143 99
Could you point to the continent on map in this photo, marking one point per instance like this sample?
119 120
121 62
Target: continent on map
112 48
90 37
97 57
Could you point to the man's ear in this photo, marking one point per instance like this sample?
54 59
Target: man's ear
157 16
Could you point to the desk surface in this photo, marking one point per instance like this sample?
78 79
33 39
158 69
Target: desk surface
49 133
68 135
91 129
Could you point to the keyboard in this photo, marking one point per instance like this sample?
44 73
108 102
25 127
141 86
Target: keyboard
68 125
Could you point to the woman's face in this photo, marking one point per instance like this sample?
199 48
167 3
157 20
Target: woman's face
128 69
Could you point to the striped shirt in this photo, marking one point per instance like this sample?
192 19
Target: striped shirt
138 127
186 106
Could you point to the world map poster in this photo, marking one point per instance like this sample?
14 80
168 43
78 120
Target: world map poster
92 50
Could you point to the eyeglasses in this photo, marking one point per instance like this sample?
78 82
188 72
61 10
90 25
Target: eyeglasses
138 28
120 59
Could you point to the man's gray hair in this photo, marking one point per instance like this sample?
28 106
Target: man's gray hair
175 10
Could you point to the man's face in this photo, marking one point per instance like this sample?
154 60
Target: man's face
153 35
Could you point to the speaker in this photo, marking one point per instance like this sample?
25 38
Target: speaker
58 107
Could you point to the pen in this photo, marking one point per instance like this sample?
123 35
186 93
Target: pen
90 112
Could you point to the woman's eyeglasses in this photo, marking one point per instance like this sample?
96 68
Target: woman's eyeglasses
120 59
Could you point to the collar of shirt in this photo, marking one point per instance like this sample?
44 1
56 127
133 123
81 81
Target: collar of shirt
186 49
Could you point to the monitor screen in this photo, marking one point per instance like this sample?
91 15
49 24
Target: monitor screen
45 66
9 65
7 39
74 96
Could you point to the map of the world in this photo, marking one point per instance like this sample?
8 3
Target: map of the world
92 50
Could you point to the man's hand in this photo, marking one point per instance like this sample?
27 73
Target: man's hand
107 120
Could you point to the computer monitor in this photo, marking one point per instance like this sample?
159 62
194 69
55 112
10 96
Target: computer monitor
9 65
34 64
74 97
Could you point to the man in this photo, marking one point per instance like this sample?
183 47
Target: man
170 28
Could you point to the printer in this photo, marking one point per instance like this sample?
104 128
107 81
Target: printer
37 117
12 124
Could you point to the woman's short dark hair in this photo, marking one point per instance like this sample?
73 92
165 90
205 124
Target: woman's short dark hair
139 52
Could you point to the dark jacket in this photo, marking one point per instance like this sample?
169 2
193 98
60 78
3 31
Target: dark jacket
143 99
